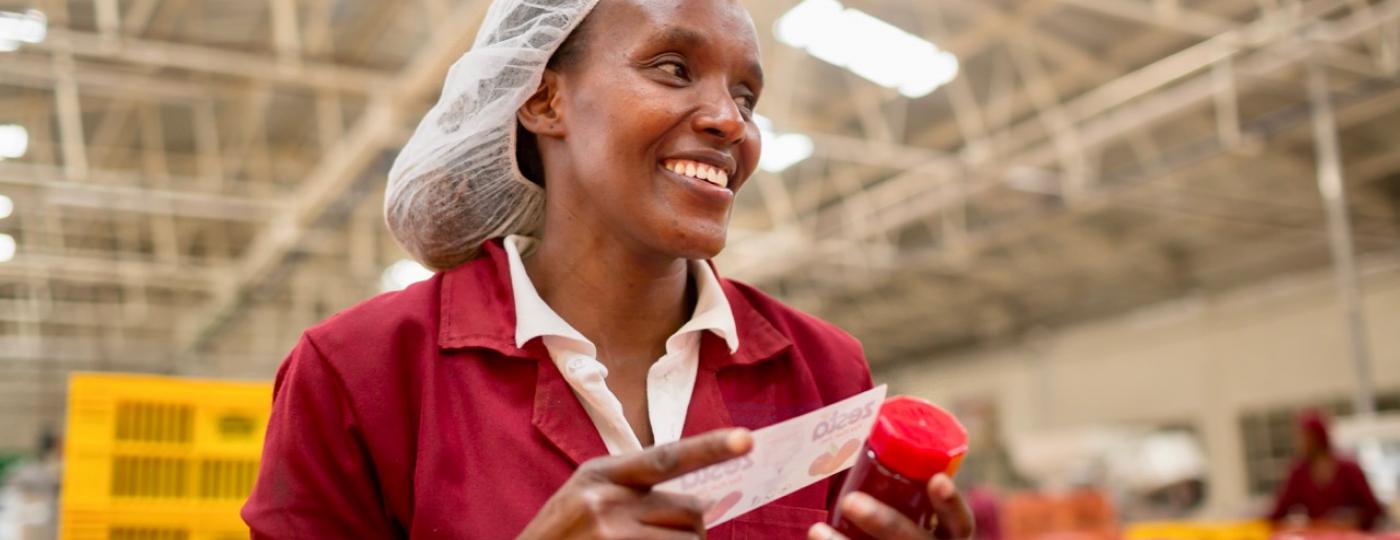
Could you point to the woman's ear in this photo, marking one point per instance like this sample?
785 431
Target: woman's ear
542 113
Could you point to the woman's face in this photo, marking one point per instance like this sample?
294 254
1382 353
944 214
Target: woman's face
656 122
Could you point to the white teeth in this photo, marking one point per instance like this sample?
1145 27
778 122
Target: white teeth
699 171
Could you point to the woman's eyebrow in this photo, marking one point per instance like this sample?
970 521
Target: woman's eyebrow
756 69
681 37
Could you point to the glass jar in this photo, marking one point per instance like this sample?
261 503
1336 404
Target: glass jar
912 441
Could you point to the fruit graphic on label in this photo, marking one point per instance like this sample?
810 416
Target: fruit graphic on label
830 462
720 507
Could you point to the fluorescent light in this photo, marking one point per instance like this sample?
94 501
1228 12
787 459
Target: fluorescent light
7 248
7 207
1032 180
874 49
14 141
402 274
781 151
16 28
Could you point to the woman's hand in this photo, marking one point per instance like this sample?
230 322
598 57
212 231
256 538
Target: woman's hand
611 497
952 519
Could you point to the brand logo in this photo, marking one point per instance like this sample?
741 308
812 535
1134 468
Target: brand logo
840 420
716 473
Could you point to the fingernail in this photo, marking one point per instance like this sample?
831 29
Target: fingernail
821 531
859 505
942 486
739 440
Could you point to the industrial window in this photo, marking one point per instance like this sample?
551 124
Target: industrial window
1269 448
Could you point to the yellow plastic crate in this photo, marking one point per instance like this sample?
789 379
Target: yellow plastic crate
1170 530
160 458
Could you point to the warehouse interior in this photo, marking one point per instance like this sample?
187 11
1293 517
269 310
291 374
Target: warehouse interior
1101 220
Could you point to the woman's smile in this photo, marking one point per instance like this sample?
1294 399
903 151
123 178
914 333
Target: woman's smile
702 171
706 190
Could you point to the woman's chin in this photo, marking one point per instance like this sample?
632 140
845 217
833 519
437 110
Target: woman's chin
703 242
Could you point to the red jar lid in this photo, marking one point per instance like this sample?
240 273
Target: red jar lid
917 439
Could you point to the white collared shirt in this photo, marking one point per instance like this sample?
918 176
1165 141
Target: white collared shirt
671 378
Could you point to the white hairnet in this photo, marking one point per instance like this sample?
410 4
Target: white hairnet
456 183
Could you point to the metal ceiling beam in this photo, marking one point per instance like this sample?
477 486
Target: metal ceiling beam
973 120
1366 170
1177 18
31 72
29 265
216 61
91 353
110 315
1116 109
118 191
1072 78
376 130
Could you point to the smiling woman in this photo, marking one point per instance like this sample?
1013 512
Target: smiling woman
577 346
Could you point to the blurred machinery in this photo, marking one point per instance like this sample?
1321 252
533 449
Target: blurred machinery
1149 475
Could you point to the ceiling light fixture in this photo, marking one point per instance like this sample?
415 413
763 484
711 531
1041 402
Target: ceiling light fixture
867 46
18 28
7 248
14 141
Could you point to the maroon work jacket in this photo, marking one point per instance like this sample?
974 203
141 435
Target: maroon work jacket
415 415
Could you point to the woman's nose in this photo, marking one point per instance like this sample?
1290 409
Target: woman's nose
722 120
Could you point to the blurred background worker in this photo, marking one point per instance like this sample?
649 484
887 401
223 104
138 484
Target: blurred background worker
1329 489
29 493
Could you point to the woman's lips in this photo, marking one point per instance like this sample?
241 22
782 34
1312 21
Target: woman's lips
709 193
698 170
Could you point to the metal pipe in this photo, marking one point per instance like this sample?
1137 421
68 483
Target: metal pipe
1334 201
70 120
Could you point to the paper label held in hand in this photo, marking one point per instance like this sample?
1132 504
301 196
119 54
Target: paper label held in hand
786 457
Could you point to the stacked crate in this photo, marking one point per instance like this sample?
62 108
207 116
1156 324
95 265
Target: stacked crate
159 458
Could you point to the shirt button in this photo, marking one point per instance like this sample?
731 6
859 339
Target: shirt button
576 365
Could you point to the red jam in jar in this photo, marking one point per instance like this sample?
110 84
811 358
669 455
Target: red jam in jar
912 441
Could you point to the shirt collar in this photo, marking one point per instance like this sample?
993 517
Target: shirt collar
476 309
534 317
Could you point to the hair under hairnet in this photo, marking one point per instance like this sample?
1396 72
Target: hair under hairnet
457 183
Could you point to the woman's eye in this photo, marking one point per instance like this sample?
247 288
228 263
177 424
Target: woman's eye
746 104
674 69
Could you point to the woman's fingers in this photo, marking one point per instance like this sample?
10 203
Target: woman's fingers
672 511
822 531
661 463
878 519
659 533
954 518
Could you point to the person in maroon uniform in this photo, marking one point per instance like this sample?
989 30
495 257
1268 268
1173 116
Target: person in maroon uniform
1328 488
574 349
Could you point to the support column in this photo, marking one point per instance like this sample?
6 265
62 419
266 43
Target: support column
1330 183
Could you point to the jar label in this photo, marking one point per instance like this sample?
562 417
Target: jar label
786 457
